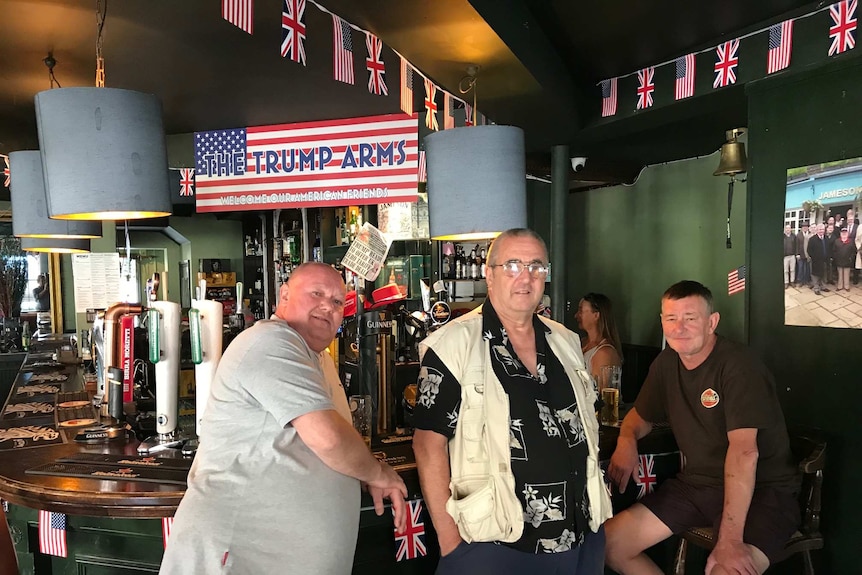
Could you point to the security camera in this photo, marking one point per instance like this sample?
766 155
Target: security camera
578 164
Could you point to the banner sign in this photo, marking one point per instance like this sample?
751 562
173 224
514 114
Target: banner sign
355 161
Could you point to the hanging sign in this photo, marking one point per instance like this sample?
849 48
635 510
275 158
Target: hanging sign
354 161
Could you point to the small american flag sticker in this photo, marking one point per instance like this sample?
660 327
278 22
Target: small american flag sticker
736 280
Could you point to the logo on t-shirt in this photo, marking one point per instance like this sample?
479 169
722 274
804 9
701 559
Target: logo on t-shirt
709 398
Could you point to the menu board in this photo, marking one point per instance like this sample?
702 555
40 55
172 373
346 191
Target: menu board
97 280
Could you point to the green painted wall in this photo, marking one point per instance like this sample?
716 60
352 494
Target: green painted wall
797 121
632 242
210 237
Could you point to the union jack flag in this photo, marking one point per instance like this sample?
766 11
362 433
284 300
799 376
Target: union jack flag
376 69
609 97
342 51
411 543
646 86
293 30
647 479
431 105
7 177
187 181
468 114
725 64
406 87
167 525
52 533
449 111
423 167
684 86
780 42
843 25
240 13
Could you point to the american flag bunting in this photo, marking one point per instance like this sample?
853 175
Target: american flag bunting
843 26
342 51
609 97
726 63
431 105
7 177
684 84
423 167
52 533
240 13
780 45
167 525
736 280
406 87
647 479
375 66
646 86
448 111
293 30
187 182
410 544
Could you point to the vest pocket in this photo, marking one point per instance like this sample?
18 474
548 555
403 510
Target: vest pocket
475 509
472 424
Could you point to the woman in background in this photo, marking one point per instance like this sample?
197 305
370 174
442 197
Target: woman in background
602 345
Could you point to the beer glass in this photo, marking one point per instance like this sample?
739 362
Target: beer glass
609 390
360 410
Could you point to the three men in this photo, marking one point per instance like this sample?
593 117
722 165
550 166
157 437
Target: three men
505 415
274 487
739 475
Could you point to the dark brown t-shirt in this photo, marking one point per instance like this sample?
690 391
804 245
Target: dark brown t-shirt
731 389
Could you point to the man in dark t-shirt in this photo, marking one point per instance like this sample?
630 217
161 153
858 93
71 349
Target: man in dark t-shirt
739 476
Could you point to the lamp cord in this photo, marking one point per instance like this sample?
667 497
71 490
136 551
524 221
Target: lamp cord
101 13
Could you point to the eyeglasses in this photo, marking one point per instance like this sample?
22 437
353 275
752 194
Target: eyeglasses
513 268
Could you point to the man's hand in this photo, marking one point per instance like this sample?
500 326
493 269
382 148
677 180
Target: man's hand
624 463
733 556
389 485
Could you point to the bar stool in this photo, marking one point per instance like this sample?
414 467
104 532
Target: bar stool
809 449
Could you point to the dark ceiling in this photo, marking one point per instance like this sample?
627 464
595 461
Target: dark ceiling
540 63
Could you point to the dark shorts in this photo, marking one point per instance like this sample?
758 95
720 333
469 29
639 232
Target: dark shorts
773 515
493 559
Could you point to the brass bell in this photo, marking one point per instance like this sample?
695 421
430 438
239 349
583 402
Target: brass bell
732 160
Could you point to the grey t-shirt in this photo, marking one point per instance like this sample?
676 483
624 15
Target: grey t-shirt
258 499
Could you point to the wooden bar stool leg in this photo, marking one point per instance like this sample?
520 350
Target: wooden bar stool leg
808 568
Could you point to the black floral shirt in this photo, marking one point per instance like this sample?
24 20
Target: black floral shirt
546 437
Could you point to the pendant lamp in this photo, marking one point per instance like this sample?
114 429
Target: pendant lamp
477 185
29 205
103 154
53 245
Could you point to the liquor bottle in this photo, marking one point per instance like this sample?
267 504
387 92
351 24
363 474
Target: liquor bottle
474 263
258 280
482 263
459 266
249 246
446 266
25 336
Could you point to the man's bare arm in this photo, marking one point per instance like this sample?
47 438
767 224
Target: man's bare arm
432 460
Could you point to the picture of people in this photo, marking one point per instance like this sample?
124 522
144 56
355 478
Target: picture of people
822 245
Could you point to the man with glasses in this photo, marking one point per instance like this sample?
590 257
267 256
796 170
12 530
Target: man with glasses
505 416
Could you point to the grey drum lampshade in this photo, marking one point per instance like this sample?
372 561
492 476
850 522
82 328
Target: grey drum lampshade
30 206
103 154
476 182
54 245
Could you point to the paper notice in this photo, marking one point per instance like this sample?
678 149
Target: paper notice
367 252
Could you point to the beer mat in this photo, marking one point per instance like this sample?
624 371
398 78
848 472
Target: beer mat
396 439
45 376
111 473
77 422
43 364
74 404
65 396
76 413
28 409
25 436
399 457
113 460
36 398
31 389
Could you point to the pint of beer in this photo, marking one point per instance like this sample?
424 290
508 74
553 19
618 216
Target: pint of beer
609 392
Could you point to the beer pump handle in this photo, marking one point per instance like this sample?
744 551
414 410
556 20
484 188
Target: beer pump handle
195 336
153 317
115 393
238 297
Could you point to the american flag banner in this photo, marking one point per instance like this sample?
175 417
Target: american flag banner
52 533
423 167
293 30
736 280
646 86
725 64
7 178
342 51
352 161
406 87
448 111
375 66
468 114
187 181
431 105
843 26
780 44
167 525
410 544
240 13
647 478
609 97
684 84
